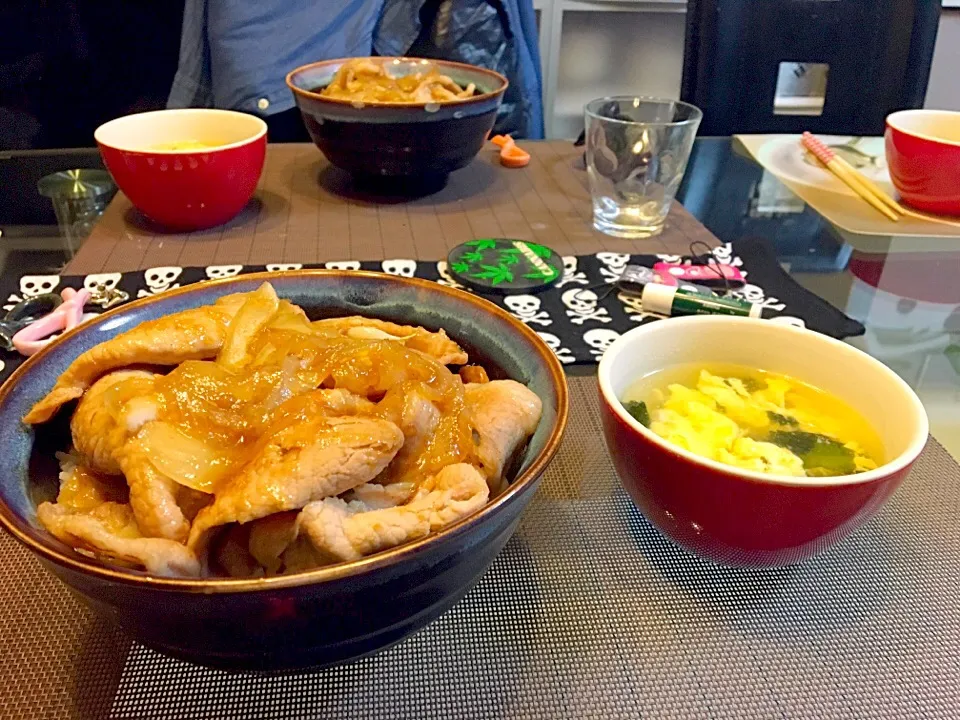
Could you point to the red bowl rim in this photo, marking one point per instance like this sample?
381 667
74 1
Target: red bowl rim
895 465
504 84
892 119
260 133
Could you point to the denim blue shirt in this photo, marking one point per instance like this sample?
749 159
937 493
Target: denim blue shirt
236 53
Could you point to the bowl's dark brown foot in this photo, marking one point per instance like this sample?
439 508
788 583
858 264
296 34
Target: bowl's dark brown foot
402 185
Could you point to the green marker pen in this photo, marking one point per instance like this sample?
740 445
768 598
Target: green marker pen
671 301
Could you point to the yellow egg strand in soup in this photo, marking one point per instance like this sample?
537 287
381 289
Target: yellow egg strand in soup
755 420
184 146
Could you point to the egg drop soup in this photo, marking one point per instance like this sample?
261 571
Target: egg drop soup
755 420
185 146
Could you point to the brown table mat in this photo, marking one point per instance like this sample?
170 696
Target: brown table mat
306 211
588 613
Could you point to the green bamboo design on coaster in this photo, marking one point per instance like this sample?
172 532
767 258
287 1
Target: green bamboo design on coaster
483 244
505 264
496 274
510 256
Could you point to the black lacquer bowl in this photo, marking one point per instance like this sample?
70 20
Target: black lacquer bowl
383 141
325 616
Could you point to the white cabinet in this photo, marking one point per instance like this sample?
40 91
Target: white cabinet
943 92
592 48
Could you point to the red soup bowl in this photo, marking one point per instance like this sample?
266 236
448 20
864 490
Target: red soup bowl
923 154
742 517
185 169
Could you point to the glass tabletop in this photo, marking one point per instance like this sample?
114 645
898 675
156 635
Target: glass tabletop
903 289
32 239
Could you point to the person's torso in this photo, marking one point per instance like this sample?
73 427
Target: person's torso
253 45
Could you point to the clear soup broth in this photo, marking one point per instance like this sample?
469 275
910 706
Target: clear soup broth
756 420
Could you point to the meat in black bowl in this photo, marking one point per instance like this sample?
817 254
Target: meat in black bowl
156 562
420 136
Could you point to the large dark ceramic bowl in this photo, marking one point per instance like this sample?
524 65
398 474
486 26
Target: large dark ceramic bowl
320 617
399 140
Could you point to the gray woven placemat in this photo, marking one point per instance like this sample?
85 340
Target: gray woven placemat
305 211
56 659
588 613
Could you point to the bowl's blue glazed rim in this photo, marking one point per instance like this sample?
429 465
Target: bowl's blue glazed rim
502 83
30 536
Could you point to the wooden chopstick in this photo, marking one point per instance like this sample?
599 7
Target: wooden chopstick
847 174
877 191
856 182
863 186
894 205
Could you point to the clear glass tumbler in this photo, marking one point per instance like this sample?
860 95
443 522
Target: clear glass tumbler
79 198
637 150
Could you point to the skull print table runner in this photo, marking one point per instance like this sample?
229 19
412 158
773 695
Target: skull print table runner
578 317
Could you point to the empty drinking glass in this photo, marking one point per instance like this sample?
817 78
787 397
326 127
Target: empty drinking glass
637 150
79 198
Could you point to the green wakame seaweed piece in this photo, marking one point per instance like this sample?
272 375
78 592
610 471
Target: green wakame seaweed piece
639 412
821 455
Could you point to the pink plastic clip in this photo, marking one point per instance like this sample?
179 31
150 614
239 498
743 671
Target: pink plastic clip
712 274
66 317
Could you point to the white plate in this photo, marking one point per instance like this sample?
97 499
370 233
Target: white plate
786 158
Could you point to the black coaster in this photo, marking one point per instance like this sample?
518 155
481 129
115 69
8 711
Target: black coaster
500 265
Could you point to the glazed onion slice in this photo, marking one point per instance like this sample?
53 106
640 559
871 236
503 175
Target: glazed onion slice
259 309
186 460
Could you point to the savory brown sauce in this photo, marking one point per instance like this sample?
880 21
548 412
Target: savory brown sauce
368 81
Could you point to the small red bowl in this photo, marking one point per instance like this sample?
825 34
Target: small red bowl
185 189
923 154
741 517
